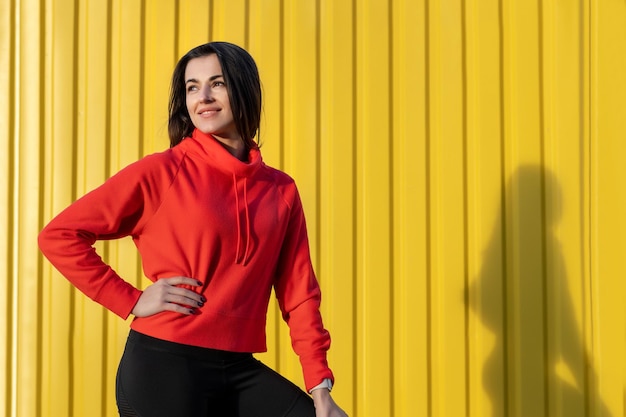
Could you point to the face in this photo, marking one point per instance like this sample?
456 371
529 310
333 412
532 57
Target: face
207 98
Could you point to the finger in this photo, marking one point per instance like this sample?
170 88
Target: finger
179 299
179 309
182 292
181 281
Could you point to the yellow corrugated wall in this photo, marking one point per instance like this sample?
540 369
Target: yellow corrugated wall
462 165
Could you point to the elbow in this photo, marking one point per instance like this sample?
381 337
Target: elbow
43 240
48 240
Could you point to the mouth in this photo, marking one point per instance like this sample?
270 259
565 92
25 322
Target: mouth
207 112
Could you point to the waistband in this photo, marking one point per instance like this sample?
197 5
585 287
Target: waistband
195 352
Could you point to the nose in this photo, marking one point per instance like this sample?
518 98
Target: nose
207 94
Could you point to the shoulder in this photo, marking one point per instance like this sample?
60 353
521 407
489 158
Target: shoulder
280 178
160 164
284 183
172 156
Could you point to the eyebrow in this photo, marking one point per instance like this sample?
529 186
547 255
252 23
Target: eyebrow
214 77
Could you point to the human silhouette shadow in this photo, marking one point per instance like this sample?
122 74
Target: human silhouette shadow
539 366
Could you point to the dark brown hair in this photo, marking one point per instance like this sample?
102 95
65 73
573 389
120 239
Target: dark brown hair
244 92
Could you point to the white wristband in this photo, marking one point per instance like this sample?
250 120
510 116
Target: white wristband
326 383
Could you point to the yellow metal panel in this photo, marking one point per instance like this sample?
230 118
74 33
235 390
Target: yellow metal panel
266 47
300 134
59 162
126 132
7 277
485 261
525 301
608 152
229 21
92 152
194 24
159 54
447 211
337 176
26 177
410 301
565 75
373 204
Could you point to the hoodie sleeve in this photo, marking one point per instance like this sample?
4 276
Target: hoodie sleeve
120 207
299 298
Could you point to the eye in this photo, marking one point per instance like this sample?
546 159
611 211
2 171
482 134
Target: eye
218 84
191 88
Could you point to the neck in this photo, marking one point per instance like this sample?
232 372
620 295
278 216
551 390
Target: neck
235 147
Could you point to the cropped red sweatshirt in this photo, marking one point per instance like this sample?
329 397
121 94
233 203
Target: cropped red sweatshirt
195 210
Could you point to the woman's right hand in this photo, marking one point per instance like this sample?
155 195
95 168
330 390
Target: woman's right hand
164 295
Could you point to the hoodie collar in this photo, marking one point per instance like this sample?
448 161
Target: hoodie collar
210 149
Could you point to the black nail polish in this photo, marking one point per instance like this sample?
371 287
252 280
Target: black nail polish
200 304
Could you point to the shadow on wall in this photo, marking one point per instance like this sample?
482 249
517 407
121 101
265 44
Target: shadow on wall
539 365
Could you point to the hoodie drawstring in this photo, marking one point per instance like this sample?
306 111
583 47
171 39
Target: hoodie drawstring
245 202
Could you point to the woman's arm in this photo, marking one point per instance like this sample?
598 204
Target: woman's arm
119 207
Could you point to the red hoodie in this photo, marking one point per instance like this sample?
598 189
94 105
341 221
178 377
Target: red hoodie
195 210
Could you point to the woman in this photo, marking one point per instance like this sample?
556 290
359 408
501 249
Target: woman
217 229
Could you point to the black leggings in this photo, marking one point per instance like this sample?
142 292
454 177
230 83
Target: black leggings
157 378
